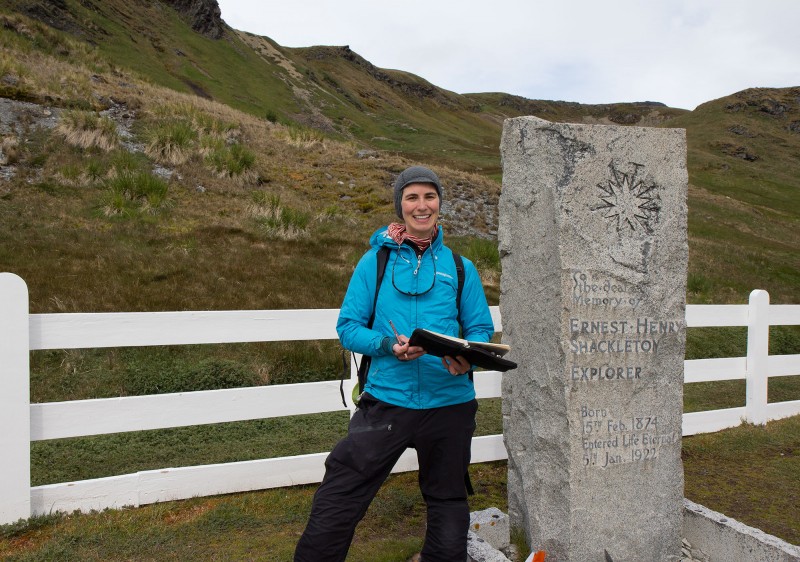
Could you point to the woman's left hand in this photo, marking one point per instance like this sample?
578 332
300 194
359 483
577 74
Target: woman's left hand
456 365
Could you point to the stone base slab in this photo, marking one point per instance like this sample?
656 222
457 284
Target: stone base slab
721 538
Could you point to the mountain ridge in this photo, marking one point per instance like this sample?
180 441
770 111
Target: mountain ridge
331 88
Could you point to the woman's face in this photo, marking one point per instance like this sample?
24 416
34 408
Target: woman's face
420 205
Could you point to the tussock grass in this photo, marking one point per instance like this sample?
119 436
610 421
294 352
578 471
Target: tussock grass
40 63
129 192
232 161
123 162
180 132
171 143
86 129
303 137
277 219
95 170
9 150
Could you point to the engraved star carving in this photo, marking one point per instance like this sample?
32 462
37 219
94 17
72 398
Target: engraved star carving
628 201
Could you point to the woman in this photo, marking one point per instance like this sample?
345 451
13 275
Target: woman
411 399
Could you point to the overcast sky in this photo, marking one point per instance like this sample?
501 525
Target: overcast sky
679 52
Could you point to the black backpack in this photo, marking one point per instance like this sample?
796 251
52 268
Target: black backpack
383 258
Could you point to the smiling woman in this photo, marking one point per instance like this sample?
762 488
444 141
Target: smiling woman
411 398
417 198
420 204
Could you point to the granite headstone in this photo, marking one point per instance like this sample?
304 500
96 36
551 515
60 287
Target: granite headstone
593 242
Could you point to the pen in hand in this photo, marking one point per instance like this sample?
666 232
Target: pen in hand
410 353
396 335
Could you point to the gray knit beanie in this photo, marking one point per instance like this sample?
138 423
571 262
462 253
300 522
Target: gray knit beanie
414 174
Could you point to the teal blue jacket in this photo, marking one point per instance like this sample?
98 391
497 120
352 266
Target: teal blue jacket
422 383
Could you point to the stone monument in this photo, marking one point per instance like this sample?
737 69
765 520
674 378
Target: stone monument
593 244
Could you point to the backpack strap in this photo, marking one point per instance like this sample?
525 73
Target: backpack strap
383 258
460 274
366 361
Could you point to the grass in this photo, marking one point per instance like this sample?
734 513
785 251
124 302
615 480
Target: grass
171 142
709 343
277 219
255 526
243 526
232 160
760 464
127 193
749 473
87 129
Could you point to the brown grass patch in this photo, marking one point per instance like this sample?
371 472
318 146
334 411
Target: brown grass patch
86 129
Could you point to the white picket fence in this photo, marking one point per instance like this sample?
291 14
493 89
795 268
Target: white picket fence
23 422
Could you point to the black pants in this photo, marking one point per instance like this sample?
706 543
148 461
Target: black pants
359 464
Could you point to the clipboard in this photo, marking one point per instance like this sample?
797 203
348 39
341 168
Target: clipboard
483 354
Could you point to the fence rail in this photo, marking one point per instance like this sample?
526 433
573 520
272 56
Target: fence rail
21 332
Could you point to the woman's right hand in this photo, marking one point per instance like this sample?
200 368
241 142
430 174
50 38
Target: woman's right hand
405 352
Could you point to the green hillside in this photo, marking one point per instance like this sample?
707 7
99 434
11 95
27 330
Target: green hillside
742 149
744 205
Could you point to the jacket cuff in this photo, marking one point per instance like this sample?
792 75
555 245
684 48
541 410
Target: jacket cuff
386 345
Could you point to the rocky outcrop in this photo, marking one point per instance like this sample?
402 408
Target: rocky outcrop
775 102
203 15
407 84
54 13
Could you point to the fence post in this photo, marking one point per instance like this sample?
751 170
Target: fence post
757 357
15 409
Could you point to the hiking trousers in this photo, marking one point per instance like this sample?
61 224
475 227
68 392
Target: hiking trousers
359 464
